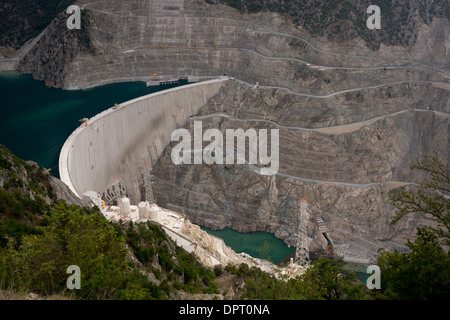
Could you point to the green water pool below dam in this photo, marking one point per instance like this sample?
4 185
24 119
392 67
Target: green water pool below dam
264 245
258 244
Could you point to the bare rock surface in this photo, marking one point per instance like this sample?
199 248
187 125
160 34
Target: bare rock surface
132 40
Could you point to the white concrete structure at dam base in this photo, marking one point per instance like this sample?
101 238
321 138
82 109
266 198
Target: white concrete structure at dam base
210 250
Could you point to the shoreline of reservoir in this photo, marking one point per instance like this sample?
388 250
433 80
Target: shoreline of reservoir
258 244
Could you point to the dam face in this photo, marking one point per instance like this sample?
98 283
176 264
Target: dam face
111 151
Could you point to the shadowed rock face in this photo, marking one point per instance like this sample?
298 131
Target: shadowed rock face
351 119
342 158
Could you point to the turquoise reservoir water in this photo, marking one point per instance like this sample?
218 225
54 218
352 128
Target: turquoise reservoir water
35 120
258 245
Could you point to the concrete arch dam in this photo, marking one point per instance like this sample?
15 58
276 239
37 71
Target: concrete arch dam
109 151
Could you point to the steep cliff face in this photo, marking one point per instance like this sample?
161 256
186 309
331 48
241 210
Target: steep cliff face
52 58
132 40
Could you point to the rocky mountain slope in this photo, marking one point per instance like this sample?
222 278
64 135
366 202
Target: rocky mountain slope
345 20
29 196
34 182
132 40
